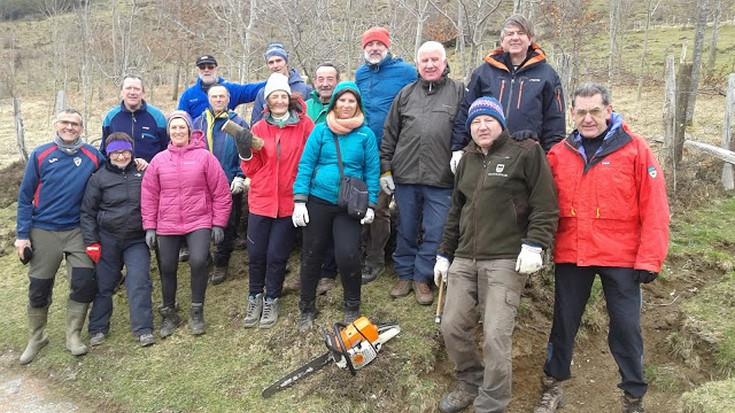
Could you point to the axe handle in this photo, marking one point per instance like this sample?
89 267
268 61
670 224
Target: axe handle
438 317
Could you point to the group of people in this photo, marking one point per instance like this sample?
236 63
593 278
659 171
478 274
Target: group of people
484 178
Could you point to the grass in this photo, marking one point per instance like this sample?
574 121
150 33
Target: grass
714 397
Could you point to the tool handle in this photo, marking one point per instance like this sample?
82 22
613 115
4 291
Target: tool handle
438 317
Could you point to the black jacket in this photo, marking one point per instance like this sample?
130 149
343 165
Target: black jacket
111 204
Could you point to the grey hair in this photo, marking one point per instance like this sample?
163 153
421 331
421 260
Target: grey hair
71 111
219 85
328 64
520 21
590 89
429 46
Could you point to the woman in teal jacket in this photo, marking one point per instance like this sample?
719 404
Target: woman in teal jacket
315 195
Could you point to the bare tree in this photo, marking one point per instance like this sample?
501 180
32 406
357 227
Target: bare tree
651 8
702 13
717 15
83 18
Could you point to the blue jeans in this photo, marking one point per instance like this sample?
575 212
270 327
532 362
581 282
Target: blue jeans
623 298
136 258
270 241
425 207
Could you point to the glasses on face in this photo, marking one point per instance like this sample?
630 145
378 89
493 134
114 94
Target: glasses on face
67 123
207 66
595 112
120 154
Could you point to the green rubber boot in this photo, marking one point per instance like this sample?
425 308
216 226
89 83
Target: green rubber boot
76 313
37 318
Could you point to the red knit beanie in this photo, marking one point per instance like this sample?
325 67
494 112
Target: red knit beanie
380 34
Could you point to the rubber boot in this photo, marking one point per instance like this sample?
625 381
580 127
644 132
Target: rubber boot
76 313
196 319
170 322
37 318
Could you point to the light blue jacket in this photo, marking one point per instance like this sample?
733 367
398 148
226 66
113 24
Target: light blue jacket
318 173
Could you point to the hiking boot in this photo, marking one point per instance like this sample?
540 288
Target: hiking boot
325 284
423 293
170 322
97 339
370 273
306 321
292 285
146 339
456 401
196 319
632 404
37 318
351 315
552 396
270 313
219 274
401 288
255 309
184 254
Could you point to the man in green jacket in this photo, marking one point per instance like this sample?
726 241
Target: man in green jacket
504 214
326 77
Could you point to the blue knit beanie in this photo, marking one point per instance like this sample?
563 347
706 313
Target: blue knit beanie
485 105
275 49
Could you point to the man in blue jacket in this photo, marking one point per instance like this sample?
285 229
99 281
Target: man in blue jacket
194 100
380 79
48 228
145 123
277 60
525 84
222 145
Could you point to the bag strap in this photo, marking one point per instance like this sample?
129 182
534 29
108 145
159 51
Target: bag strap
339 157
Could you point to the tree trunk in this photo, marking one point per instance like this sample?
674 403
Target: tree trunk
728 181
717 14
702 12
670 122
19 131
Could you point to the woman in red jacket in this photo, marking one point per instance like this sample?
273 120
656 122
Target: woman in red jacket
272 171
185 196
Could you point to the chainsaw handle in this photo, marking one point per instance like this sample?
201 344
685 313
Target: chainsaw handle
343 348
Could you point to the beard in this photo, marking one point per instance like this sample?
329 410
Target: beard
374 60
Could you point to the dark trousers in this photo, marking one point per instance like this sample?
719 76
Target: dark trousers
270 241
224 249
137 259
329 222
623 299
168 250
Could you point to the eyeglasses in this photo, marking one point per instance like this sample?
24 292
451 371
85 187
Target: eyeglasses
120 154
596 112
207 66
66 123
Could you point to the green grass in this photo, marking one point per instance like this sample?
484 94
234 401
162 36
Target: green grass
714 397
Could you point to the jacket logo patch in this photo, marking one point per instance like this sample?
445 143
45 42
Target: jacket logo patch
77 161
652 172
146 128
138 174
499 167
52 160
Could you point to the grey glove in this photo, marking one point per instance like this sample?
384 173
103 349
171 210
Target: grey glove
522 135
644 276
218 234
243 140
150 238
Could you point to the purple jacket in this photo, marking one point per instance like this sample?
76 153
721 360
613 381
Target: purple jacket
185 189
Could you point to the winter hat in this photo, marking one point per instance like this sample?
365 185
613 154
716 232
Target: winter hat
275 49
179 114
380 34
485 105
276 81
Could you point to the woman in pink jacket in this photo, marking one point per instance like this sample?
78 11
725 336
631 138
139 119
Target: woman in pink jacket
272 171
185 196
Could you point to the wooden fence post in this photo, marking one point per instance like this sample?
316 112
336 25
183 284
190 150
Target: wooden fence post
727 132
670 122
19 131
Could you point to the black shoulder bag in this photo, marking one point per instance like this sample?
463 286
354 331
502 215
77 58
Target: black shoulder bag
353 192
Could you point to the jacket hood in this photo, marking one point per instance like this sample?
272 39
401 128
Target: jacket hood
347 85
497 57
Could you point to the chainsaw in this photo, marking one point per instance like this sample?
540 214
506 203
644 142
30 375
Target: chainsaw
351 346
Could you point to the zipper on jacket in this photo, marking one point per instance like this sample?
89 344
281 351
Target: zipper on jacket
502 89
480 183
520 95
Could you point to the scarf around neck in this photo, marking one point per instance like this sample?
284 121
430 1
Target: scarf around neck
68 148
344 126
210 125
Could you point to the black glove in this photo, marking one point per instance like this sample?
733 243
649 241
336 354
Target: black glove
218 234
522 135
150 238
644 276
243 140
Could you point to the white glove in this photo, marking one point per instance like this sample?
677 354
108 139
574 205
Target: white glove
386 183
300 215
369 217
456 156
237 185
529 260
441 269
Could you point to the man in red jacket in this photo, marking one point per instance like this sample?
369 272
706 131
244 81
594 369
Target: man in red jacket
613 221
